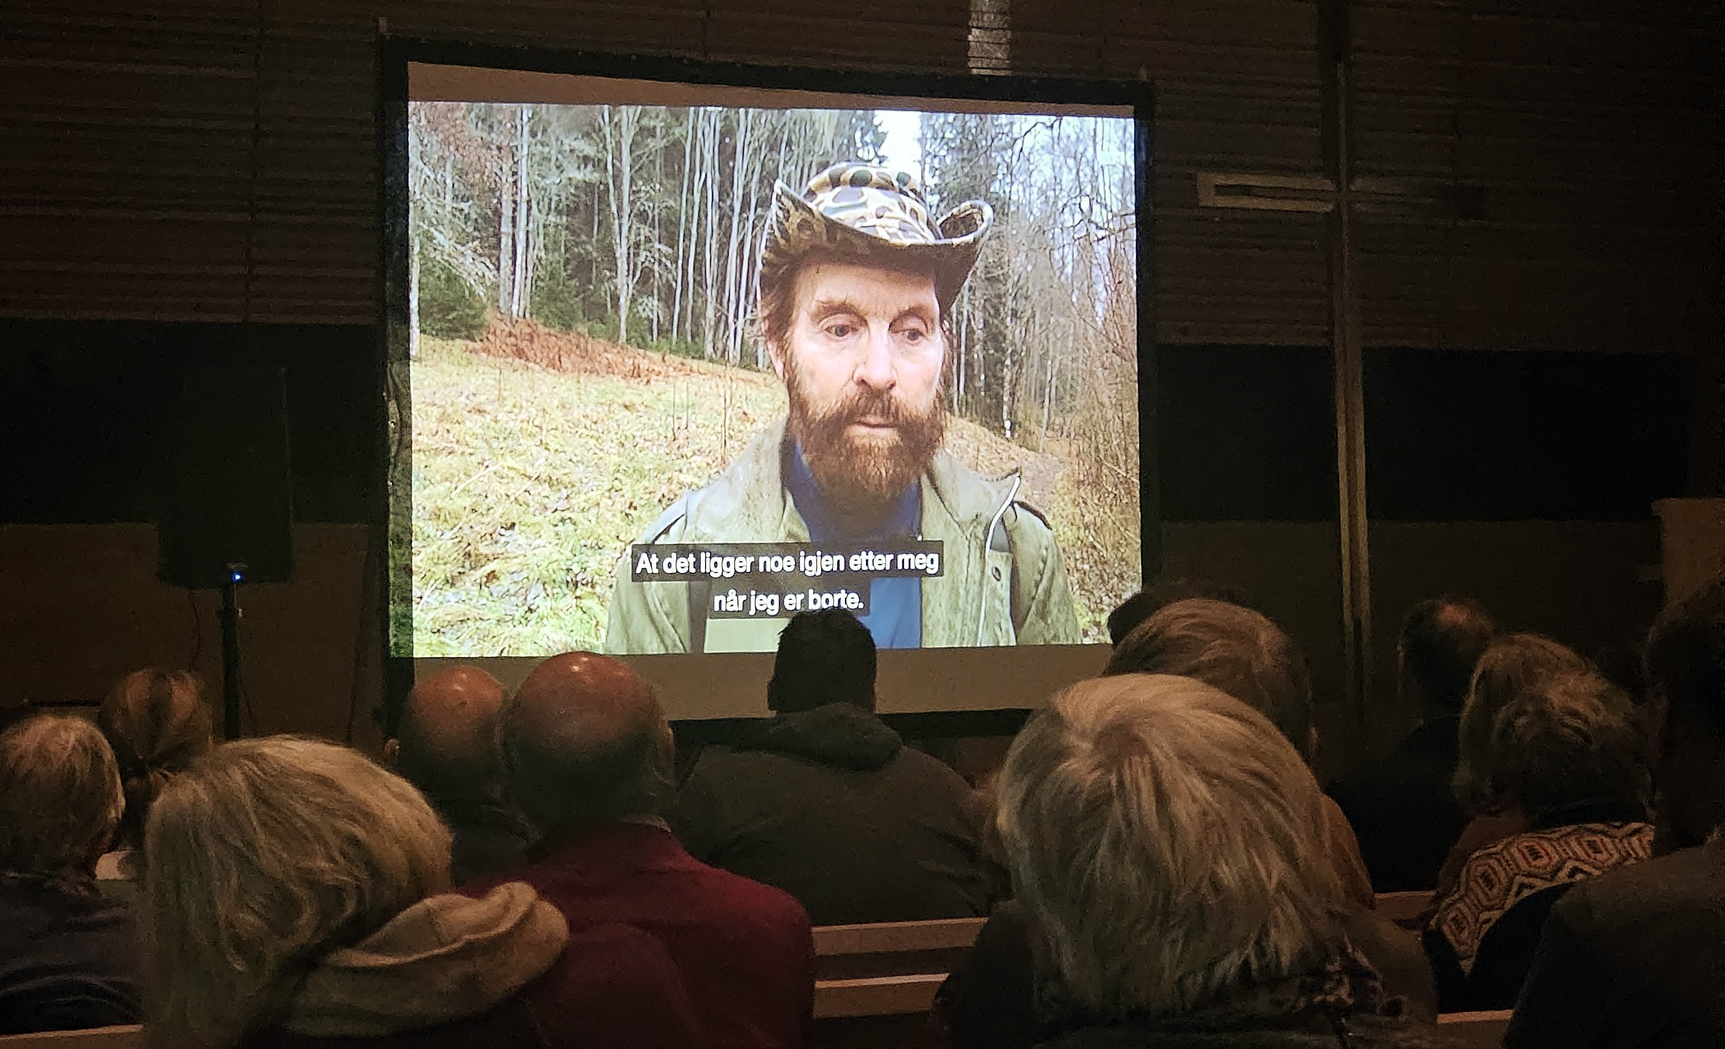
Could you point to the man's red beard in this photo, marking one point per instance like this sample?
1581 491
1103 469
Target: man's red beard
864 475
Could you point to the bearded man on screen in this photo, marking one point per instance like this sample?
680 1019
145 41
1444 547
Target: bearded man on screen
856 283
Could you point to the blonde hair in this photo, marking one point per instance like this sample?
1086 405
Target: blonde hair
158 723
261 858
1168 842
59 796
1509 666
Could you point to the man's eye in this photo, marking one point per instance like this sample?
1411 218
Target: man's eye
912 335
841 330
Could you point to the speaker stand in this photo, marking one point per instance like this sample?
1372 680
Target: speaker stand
230 620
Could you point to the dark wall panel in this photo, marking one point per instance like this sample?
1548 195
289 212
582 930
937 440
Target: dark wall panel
1246 433
1481 436
91 407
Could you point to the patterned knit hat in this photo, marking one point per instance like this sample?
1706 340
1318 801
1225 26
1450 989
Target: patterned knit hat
860 209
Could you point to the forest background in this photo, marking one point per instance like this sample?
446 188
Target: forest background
581 287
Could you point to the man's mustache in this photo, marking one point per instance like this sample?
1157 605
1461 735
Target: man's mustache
880 407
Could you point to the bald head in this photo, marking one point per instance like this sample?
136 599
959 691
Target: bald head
1442 640
446 743
585 738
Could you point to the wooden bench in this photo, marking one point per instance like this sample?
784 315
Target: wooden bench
875 984
125 1036
1482 1029
892 948
1404 908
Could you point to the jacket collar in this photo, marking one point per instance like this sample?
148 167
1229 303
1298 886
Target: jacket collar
839 734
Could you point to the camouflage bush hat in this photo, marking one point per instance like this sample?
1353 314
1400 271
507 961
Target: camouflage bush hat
881 214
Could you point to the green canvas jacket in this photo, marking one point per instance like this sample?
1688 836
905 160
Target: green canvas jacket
1004 583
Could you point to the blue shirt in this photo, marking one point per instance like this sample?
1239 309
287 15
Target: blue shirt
894 605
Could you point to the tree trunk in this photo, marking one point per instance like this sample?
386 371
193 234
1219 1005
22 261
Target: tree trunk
710 255
739 168
683 225
506 241
413 301
518 294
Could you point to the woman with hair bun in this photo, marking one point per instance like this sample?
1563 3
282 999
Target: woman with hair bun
158 723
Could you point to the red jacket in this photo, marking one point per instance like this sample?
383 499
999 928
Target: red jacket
744 949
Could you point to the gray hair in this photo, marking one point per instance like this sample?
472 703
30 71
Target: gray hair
1229 647
60 796
261 858
1168 842
1569 739
1509 666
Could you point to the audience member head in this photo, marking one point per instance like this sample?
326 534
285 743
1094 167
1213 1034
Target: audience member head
1167 843
1148 601
824 657
60 797
585 739
264 856
158 723
1686 685
1441 642
446 741
1567 741
1231 648
1510 665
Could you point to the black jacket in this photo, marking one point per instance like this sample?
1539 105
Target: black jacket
1403 811
1632 958
1482 939
69 958
486 837
831 806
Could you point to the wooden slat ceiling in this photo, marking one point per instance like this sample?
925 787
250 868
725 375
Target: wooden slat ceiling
126 184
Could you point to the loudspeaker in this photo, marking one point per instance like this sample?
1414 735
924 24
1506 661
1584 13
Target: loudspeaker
227 512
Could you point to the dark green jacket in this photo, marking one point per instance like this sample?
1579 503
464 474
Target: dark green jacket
1004 583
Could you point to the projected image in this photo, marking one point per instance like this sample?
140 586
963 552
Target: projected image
680 373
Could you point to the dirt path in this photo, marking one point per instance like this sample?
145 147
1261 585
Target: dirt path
1041 475
988 453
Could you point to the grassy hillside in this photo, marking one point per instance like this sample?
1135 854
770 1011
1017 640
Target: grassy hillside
538 456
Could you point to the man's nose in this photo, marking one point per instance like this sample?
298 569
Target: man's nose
878 369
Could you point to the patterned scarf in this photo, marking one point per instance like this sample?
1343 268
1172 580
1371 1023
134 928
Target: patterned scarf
1503 874
1321 996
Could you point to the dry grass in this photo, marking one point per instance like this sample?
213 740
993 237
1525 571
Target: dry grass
528 482
539 456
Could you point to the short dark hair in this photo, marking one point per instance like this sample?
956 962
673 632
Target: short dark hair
1159 595
1442 640
1686 655
824 657
1228 647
